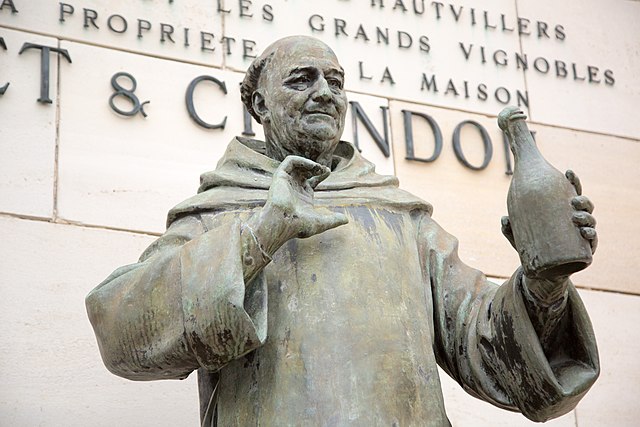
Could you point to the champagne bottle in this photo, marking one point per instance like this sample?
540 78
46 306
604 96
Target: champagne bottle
539 204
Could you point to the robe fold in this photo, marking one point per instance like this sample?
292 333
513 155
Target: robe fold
343 328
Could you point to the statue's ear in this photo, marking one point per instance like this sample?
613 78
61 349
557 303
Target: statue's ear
260 106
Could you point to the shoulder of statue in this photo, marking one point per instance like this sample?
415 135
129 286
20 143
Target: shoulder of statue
218 199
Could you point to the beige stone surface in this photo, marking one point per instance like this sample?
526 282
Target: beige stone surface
469 203
27 128
613 400
371 106
598 34
50 365
127 172
360 20
129 19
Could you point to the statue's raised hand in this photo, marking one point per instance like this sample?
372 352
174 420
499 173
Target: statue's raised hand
291 198
290 211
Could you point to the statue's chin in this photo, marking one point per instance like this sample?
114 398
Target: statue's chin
311 138
321 129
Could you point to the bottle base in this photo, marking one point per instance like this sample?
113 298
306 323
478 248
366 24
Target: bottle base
555 271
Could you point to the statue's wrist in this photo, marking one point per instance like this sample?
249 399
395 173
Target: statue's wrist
269 229
252 247
253 255
545 292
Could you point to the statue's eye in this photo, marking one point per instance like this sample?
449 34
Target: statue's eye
300 82
334 83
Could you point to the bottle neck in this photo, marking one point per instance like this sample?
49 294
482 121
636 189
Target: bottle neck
521 140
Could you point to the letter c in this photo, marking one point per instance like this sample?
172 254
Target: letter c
191 109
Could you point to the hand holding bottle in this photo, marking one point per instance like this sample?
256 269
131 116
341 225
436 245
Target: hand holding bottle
550 223
582 217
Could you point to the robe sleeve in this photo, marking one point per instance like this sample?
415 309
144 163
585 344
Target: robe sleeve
485 340
183 306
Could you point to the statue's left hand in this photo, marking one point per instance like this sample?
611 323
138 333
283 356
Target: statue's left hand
582 217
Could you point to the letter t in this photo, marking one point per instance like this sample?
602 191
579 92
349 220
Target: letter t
44 66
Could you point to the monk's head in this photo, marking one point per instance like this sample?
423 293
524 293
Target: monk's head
296 90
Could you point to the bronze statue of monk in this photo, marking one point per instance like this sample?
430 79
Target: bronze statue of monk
309 290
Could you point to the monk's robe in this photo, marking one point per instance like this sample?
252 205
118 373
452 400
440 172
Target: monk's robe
343 328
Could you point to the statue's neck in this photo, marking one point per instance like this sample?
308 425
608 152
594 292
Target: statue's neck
279 151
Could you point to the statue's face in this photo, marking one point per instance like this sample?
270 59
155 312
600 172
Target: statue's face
304 103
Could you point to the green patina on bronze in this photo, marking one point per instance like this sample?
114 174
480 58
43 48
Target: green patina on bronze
308 290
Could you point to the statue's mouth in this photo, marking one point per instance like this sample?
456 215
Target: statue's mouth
320 112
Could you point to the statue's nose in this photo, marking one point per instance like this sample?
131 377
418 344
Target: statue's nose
322 91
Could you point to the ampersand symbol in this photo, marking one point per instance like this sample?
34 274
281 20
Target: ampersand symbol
128 94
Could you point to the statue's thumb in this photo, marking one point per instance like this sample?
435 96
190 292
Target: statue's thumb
507 231
331 220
